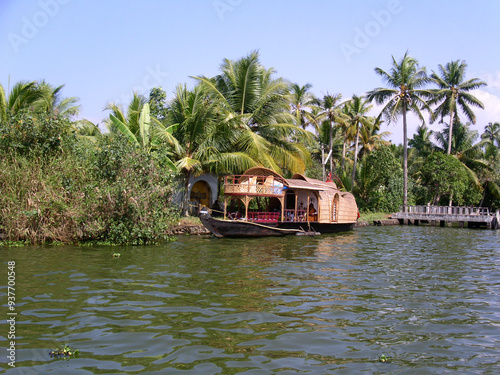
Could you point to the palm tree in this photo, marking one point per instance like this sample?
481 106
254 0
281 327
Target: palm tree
24 95
138 127
453 93
36 96
248 98
492 133
421 141
404 94
331 113
370 137
336 136
130 117
88 130
492 136
348 132
204 141
51 100
357 109
301 104
463 139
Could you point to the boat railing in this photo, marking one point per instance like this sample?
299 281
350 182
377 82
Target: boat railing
447 210
264 217
255 185
295 215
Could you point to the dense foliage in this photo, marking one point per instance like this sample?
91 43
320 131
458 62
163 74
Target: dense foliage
112 192
382 182
34 133
444 175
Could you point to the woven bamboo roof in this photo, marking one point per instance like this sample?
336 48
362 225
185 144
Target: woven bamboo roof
298 180
301 184
261 171
313 181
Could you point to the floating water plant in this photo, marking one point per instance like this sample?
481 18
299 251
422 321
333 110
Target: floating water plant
64 353
116 255
383 358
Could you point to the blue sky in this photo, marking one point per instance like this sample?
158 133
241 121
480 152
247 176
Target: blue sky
104 50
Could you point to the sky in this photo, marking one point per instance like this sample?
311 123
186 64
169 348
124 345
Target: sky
103 50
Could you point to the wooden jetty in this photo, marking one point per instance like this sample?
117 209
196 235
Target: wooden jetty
473 217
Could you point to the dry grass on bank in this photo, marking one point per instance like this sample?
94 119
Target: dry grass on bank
371 216
189 220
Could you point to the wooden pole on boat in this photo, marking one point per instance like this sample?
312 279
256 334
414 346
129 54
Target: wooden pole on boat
282 201
295 214
307 208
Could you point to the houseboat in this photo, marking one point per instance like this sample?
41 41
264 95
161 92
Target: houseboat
260 202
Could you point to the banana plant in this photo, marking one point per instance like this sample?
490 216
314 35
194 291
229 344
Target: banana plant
145 137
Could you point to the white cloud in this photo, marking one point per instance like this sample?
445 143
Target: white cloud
492 79
491 112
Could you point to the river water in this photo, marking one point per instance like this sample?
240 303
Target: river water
427 298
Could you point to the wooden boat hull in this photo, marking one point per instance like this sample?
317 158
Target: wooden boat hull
240 228
322 228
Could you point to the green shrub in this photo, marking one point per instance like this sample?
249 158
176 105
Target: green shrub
34 133
380 184
110 193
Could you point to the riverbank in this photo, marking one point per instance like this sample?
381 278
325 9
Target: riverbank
192 225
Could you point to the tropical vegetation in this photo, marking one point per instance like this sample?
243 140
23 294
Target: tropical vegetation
69 180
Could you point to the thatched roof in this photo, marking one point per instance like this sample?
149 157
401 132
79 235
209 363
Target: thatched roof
313 181
261 171
298 180
301 184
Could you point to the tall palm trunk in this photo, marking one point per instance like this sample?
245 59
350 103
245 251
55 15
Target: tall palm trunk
331 147
343 154
355 155
405 161
482 199
450 133
323 161
185 203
